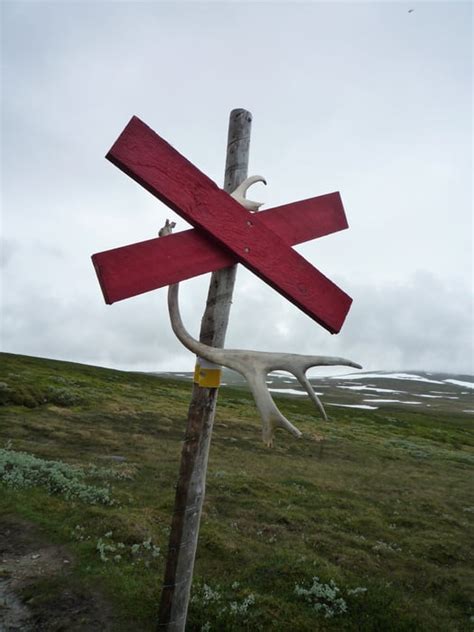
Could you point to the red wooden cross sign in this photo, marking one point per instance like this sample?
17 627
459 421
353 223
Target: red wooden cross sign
224 233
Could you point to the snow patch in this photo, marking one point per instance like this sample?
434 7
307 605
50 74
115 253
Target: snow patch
370 388
461 383
287 391
445 392
383 401
389 401
364 406
387 376
290 391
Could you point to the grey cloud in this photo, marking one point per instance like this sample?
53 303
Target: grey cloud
7 251
423 323
377 106
133 336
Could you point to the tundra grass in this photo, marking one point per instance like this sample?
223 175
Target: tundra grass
369 529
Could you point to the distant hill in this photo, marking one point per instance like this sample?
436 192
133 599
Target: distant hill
374 389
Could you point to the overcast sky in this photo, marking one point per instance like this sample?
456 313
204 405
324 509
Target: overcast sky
365 98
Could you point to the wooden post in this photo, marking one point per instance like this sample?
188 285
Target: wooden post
190 489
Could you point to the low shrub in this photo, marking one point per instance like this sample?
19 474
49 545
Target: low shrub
21 469
223 608
327 599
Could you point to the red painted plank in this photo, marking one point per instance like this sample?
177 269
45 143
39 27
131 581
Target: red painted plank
157 166
130 270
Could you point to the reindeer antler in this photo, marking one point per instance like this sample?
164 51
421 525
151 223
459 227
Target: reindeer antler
254 366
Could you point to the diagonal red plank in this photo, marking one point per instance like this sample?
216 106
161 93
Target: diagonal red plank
130 270
165 173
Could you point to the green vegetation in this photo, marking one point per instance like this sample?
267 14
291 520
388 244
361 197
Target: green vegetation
369 530
20 469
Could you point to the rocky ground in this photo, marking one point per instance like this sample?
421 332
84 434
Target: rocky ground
31 571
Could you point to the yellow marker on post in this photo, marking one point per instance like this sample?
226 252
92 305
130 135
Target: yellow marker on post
207 374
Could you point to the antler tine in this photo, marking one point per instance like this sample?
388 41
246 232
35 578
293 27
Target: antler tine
239 193
326 362
303 380
299 364
269 412
311 361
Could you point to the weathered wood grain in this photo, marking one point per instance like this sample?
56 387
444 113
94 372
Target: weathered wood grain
137 268
165 173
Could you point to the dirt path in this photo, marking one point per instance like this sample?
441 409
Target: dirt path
37 590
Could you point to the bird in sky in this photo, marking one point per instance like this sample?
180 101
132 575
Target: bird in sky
410 10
